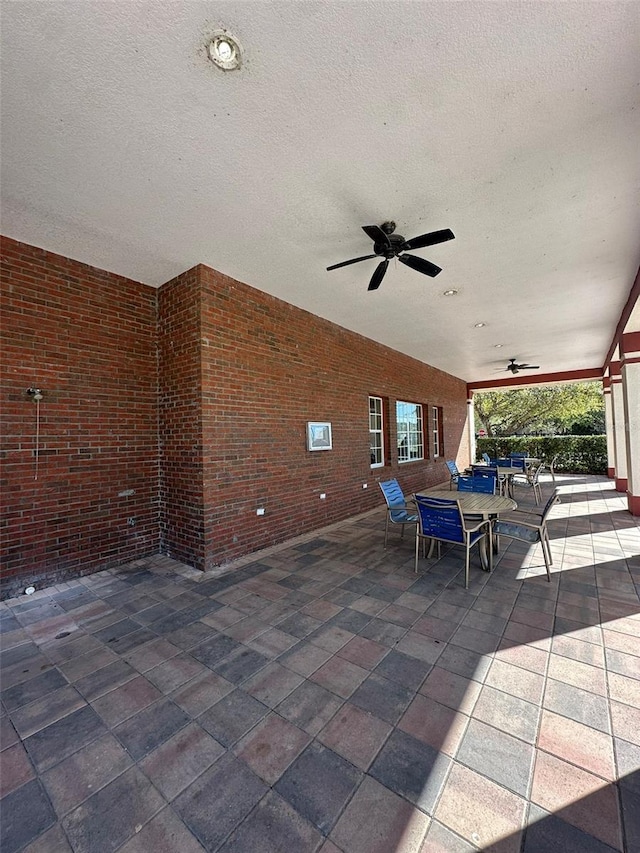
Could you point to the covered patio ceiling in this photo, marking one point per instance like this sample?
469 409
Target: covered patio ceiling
514 125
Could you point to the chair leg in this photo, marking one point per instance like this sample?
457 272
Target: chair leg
415 564
548 546
546 559
466 565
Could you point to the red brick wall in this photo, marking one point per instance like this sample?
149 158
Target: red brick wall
87 339
195 398
267 369
180 419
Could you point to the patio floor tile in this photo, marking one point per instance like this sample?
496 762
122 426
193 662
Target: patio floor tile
579 744
398 826
214 805
151 727
25 814
272 684
110 816
271 747
390 696
440 727
411 768
318 785
16 769
507 713
549 831
355 735
503 758
164 833
273 826
175 764
203 691
577 704
405 670
450 689
125 701
310 706
64 737
578 797
382 698
339 676
232 717
80 775
500 820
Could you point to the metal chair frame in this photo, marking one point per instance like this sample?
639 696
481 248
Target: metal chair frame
442 521
532 478
399 510
528 532
454 473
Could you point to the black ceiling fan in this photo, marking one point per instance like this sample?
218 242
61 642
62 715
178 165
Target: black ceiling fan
516 368
388 245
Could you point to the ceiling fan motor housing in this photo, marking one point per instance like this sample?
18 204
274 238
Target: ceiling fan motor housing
392 248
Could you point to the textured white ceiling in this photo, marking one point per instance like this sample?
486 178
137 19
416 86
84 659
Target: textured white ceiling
517 125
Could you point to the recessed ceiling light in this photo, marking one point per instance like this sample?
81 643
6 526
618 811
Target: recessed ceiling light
479 325
498 346
450 293
225 51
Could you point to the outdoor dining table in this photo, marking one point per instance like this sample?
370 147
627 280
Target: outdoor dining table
476 504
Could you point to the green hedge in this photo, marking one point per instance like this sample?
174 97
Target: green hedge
577 454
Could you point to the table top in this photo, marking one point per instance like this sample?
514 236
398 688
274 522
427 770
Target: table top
474 502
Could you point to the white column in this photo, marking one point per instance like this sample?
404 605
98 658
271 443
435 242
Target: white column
471 427
631 401
608 426
619 431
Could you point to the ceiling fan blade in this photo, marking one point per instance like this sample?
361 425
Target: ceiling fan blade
529 366
376 278
429 239
352 261
420 265
376 234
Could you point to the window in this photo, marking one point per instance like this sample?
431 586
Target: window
409 429
436 430
376 434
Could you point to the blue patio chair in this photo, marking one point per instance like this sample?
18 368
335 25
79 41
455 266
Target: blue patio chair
442 520
518 460
465 484
453 472
527 531
487 473
484 482
399 510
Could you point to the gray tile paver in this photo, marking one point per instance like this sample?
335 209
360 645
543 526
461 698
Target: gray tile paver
411 696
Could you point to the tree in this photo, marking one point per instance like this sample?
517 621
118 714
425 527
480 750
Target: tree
551 409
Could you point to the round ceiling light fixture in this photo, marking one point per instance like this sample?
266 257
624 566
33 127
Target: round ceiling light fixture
449 292
479 325
225 51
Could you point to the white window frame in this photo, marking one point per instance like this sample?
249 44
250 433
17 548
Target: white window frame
435 431
376 431
409 429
